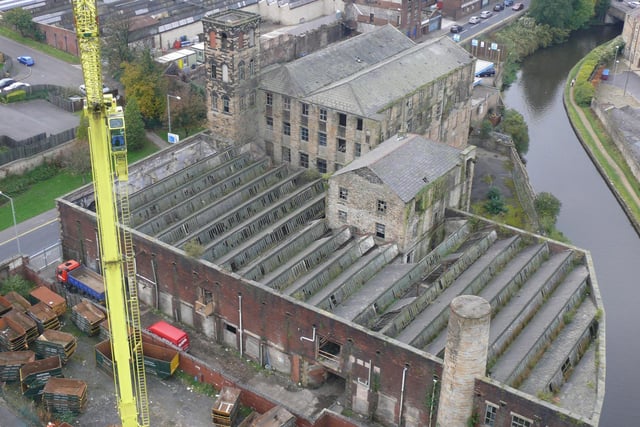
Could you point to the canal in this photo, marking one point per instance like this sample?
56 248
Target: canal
590 217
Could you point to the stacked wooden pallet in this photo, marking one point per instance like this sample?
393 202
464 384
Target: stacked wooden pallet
55 343
56 302
63 395
274 417
34 375
87 317
104 333
12 361
44 316
13 337
226 407
27 323
18 302
5 305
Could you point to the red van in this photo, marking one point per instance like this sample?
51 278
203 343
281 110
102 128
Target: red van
174 335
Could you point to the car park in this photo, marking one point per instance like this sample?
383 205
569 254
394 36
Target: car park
498 7
6 82
485 14
14 86
474 20
456 28
26 60
518 6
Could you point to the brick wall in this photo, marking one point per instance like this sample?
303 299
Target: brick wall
60 38
181 277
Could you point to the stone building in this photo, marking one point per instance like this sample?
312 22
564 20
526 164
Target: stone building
413 18
403 205
320 303
320 111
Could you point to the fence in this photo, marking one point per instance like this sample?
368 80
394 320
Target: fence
15 150
47 257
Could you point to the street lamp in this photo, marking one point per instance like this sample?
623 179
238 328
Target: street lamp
615 62
169 108
15 224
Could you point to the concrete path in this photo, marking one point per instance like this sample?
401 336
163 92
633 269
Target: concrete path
611 163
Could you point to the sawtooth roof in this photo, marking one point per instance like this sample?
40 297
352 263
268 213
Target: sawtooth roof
334 63
406 164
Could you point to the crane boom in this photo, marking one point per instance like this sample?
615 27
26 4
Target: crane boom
109 167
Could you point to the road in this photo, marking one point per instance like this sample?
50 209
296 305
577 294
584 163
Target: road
34 235
47 69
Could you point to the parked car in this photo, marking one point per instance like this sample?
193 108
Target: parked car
508 3
633 4
474 20
26 60
14 86
498 7
83 89
6 82
456 28
487 73
518 6
485 14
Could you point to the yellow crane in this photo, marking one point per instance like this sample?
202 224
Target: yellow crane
109 167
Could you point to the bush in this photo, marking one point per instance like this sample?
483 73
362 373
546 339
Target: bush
583 93
495 205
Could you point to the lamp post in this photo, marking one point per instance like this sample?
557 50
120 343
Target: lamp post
15 224
169 108
615 62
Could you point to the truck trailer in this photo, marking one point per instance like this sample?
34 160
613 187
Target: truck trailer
81 279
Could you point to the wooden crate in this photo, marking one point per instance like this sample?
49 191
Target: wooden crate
226 406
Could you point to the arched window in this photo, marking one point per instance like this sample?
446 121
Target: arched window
224 40
226 104
225 73
241 70
252 69
214 101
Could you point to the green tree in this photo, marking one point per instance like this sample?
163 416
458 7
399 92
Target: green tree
135 125
495 204
190 112
555 13
567 14
583 11
546 204
22 21
116 44
513 124
143 79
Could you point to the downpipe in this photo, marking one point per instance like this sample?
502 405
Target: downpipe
313 337
240 321
404 378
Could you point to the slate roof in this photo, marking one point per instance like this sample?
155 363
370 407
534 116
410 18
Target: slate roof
406 164
365 73
335 62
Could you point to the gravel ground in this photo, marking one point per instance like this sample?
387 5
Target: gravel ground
172 402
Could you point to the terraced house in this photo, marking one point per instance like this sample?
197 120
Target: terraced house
374 277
